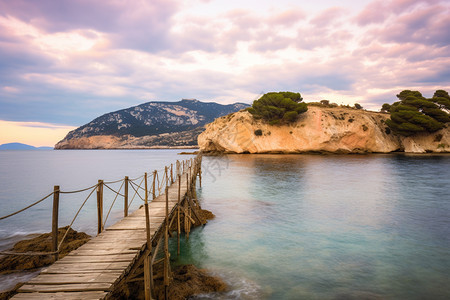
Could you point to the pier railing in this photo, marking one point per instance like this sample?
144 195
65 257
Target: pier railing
129 189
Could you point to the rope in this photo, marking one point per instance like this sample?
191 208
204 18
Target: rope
117 194
136 178
116 181
136 192
76 215
78 191
31 205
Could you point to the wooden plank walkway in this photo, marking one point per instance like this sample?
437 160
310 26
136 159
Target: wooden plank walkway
91 271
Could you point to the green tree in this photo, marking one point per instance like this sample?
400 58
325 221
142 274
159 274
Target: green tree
415 114
358 106
385 107
278 107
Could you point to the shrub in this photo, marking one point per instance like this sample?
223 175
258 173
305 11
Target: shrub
258 132
278 107
358 106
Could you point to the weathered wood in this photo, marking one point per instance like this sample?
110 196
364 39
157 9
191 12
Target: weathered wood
62 296
147 286
98 277
112 267
125 194
178 215
82 287
55 221
100 207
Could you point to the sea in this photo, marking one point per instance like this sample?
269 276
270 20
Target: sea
287 226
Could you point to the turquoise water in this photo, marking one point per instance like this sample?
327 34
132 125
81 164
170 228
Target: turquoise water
326 227
286 226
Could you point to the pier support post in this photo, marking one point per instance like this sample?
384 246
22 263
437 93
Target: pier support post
166 247
171 174
147 276
153 186
100 206
166 175
125 204
147 215
55 221
178 215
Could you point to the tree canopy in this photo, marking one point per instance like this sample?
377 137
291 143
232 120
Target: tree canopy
278 107
415 113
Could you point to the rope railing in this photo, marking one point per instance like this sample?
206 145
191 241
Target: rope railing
76 215
159 181
136 191
25 208
115 198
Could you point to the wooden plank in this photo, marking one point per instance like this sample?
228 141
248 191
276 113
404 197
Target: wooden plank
99 277
85 259
62 296
94 252
85 267
82 287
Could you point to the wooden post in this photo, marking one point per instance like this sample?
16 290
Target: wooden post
55 220
167 176
178 214
153 187
171 174
125 204
200 172
147 276
147 215
166 247
190 173
100 207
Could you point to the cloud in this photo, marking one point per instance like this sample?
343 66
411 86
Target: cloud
71 61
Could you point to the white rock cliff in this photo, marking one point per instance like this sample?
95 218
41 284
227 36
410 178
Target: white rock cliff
320 129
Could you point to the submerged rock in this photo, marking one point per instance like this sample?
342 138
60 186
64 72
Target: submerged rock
41 243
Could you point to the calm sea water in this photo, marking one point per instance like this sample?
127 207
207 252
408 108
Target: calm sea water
286 227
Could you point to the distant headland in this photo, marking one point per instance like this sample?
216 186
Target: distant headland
20 146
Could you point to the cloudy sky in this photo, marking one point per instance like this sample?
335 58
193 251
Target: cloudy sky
65 62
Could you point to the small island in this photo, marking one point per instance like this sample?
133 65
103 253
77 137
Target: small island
274 124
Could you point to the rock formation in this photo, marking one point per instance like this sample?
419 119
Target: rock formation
320 129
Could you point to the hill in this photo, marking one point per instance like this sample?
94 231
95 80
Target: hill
20 146
149 125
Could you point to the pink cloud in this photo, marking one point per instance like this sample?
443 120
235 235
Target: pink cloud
327 17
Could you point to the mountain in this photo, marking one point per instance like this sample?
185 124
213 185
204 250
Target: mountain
20 146
149 125
319 130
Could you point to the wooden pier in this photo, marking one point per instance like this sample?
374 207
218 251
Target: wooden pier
118 252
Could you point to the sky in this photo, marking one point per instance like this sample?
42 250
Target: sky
64 63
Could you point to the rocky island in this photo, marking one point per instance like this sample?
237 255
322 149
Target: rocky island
321 129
